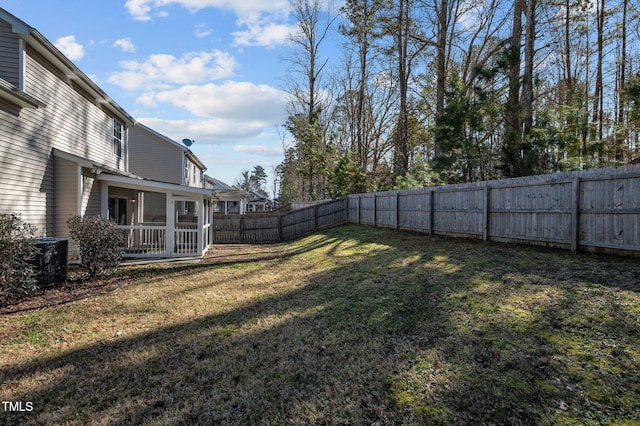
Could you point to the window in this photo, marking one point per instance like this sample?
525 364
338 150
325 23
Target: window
117 138
186 170
118 210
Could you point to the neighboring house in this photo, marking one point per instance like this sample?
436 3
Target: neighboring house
228 199
258 202
68 149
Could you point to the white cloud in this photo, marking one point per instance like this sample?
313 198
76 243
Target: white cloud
202 30
210 131
263 22
70 47
259 150
138 9
141 9
262 31
163 71
125 44
241 101
230 112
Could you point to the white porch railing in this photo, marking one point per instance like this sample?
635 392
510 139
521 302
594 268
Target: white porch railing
151 241
186 240
145 240
206 235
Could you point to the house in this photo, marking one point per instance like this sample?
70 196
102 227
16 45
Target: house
164 207
228 199
66 148
258 202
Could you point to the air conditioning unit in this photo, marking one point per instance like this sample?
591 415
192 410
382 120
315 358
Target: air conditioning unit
51 261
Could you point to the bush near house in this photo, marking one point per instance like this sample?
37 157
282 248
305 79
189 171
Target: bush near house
100 244
17 249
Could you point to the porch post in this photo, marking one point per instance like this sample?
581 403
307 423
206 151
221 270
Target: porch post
201 236
104 200
170 231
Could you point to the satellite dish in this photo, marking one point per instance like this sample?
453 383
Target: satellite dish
187 142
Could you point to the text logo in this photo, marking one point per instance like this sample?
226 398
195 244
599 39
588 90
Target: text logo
17 406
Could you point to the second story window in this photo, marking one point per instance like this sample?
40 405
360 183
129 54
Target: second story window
117 138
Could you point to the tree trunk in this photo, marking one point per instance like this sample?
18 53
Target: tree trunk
621 133
597 97
441 56
512 158
401 154
527 80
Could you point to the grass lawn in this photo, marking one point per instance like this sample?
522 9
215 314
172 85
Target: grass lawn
354 325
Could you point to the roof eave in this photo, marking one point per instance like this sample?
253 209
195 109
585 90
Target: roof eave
17 97
44 47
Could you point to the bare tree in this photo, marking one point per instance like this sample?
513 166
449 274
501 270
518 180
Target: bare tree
308 106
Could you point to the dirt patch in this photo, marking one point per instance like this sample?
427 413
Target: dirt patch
76 287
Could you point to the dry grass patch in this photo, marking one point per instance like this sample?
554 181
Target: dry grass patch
352 326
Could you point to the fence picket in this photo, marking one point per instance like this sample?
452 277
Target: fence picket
270 227
595 210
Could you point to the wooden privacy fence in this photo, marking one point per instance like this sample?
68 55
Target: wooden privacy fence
593 210
271 227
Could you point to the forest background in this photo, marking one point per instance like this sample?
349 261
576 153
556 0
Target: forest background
431 92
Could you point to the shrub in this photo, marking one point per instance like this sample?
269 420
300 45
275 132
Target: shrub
17 250
100 244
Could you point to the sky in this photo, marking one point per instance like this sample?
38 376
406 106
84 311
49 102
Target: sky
207 70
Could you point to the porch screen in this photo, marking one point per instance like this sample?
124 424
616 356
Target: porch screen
154 207
186 212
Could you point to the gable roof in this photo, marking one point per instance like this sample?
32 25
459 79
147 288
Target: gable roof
40 44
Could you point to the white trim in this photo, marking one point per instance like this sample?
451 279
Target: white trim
104 200
150 185
22 68
80 193
170 236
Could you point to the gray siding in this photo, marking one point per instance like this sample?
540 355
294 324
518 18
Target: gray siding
91 198
153 157
69 122
193 175
67 176
9 55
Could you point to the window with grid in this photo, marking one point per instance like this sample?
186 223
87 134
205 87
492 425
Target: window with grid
117 138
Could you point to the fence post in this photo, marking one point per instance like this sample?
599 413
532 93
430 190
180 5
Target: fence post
358 221
315 218
431 214
397 210
485 214
575 214
345 209
375 210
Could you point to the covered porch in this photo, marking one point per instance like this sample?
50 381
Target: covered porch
160 220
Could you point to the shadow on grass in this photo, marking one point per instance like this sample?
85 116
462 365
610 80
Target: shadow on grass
417 330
